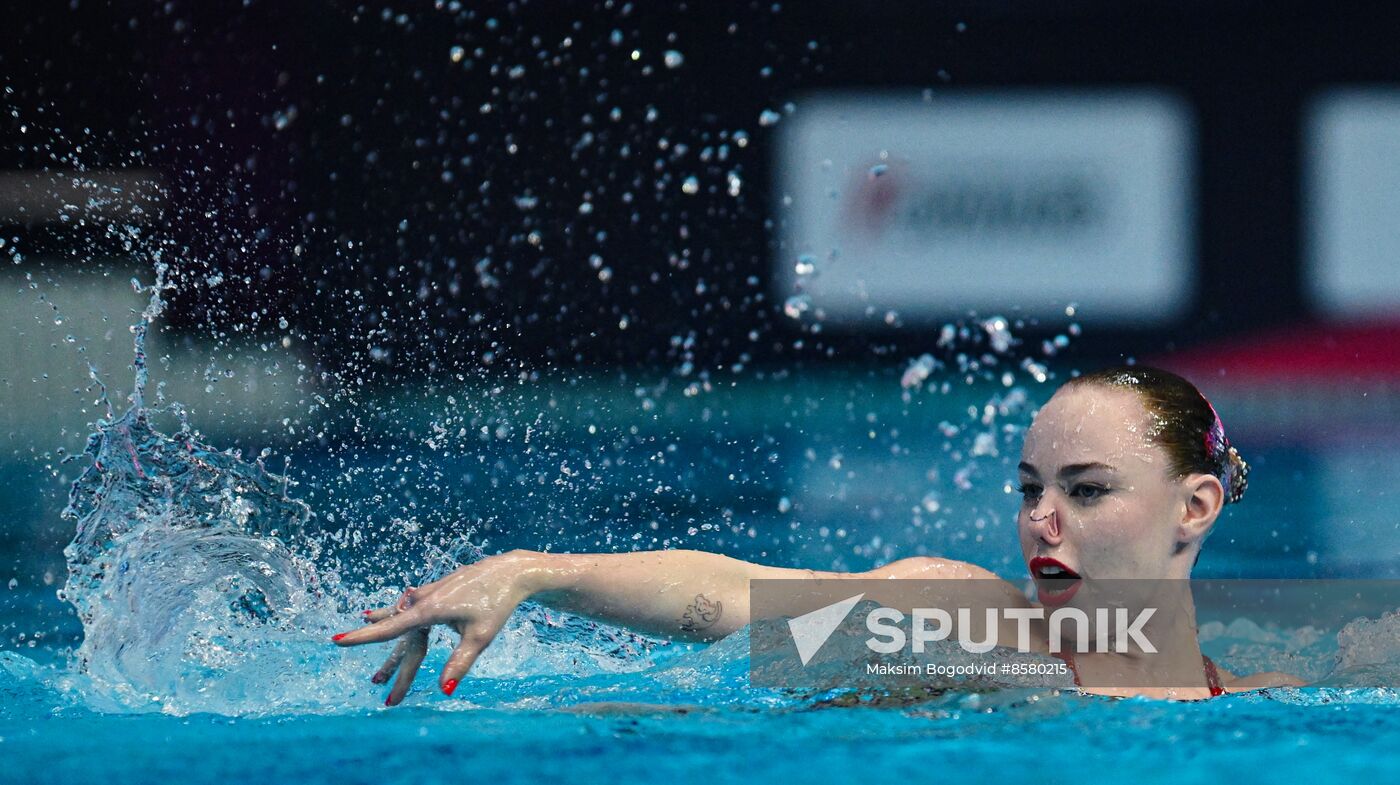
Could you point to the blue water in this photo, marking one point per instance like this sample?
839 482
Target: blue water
191 639
519 729
208 685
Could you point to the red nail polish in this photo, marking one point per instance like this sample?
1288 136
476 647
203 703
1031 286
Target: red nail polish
366 613
448 686
335 638
387 703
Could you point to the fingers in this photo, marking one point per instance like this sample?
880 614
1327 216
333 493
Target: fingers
461 661
392 626
405 600
417 649
378 614
402 604
392 663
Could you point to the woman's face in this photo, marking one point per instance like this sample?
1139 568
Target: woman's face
1097 498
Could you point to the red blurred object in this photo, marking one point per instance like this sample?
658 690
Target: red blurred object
1308 352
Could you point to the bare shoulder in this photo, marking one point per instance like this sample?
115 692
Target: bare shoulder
932 568
937 568
1258 681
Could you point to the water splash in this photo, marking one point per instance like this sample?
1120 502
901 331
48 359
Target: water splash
200 587
186 561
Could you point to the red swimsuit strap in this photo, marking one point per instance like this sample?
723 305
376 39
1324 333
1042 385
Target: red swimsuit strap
1212 675
1213 678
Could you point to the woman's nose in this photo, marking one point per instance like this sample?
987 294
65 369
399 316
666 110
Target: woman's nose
1045 521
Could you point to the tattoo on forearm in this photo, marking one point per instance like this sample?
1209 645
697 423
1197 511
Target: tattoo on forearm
700 614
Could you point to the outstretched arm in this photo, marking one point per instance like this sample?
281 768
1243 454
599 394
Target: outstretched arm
686 594
691 595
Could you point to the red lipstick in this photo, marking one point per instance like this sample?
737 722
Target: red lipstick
1055 582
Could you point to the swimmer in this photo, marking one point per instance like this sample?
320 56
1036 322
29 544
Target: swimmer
1123 474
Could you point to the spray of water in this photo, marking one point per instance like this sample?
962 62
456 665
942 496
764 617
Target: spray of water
200 587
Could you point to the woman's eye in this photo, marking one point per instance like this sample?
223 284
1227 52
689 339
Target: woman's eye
1089 491
1028 491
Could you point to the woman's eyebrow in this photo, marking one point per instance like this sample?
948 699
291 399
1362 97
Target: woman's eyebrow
1080 468
1070 470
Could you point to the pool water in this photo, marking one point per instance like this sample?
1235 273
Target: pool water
202 651
523 729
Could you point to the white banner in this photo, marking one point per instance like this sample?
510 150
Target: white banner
988 201
1352 203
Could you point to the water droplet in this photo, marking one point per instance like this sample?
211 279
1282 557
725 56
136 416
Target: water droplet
999 332
281 120
457 53
691 185
797 305
930 502
1037 371
673 59
768 117
917 372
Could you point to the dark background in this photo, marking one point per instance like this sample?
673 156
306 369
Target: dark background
386 184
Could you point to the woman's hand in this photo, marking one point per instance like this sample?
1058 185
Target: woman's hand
680 594
475 600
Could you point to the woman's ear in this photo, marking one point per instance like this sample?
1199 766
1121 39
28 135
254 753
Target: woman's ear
1205 496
